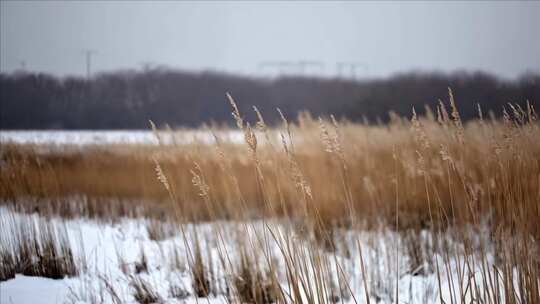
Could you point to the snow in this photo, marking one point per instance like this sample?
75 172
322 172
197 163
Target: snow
111 252
141 137
100 246
25 289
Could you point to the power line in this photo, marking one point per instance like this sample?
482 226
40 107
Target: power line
349 69
300 67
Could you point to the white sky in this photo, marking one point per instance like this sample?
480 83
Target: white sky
388 37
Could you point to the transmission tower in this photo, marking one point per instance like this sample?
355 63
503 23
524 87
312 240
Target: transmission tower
350 69
88 56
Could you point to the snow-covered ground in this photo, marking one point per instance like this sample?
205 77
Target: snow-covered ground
87 137
111 255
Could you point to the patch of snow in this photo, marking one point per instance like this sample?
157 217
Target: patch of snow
29 290
112 252
105 137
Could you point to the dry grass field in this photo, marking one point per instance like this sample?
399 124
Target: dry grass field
311 211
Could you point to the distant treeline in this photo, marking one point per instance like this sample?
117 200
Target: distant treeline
128 99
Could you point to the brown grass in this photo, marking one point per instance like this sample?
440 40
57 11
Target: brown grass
488 168
432 173
143 292
35 247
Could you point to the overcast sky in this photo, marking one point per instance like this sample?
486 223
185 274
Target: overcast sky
386 37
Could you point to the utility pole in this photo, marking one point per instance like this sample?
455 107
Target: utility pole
88 55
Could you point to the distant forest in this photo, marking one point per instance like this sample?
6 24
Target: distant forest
128 99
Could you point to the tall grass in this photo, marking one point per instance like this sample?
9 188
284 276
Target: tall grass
464 197
35 247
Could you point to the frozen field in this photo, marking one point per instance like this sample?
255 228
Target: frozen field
139 137
114 258
421 212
